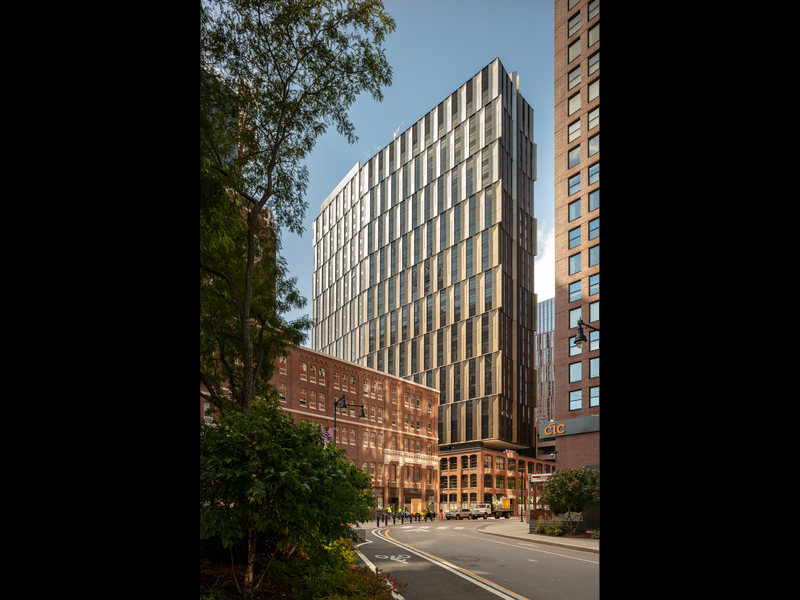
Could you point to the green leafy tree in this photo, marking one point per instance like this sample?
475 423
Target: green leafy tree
274 486
274 75
567 490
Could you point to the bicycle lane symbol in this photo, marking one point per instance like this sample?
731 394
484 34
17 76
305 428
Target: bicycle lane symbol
401 558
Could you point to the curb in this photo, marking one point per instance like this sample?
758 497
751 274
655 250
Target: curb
543 542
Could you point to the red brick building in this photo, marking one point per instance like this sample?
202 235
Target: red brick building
395 442
576 426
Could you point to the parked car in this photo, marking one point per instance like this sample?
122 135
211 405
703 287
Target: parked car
458 513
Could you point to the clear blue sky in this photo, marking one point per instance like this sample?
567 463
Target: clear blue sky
437 46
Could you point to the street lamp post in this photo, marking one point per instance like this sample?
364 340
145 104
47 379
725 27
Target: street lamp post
337 402
580 339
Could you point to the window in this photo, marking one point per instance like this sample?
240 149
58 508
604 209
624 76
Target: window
574 50
303 393
336 380
594 146
575 237
594 396
313 399
594 284
594 63
282 392
574 104
594 200
574 210
574 291
574 316
594 35
594 228
322 375
594 9
575 400
574 264
573 349
594 256
574 24
282 367
594 90
594 118
575 184
313 377
594 173
574 78
321 401
594 368
575 155
575 372
594 311
304 371
574 131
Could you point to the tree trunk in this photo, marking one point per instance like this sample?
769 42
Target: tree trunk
247 587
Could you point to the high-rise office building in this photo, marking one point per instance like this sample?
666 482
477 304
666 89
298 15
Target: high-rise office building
423 269
543 360
577 221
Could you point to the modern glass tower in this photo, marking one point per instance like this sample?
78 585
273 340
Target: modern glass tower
423 263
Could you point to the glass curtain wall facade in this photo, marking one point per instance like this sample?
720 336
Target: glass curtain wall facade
423 262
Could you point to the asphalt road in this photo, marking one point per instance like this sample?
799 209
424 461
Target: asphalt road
452 560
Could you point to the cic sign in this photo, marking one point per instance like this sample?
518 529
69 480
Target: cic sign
569 427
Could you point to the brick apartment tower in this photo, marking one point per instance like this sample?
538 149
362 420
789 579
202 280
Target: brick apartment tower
423 269
577 221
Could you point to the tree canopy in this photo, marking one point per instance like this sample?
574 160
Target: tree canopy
274 75
567 490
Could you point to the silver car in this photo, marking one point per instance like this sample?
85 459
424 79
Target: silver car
458 513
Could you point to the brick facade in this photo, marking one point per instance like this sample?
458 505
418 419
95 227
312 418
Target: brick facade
583 449
396 443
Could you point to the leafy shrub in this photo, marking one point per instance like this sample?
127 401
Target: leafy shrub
554 530
596 534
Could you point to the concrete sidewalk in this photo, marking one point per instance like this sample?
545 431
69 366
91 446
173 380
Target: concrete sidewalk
509 528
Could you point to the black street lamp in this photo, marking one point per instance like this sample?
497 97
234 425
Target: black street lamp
580 339
337 402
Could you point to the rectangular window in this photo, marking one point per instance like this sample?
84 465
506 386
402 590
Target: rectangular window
574 291
594 284
594 228
594 368
594 396
574 51
594 90
574 156
574 264
574 78
575 237
594 63
594 146
574 24
594 35
594 173
574 104
575 184
575 372
594 118
575 400
574 131
594 200
594 256
574 210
